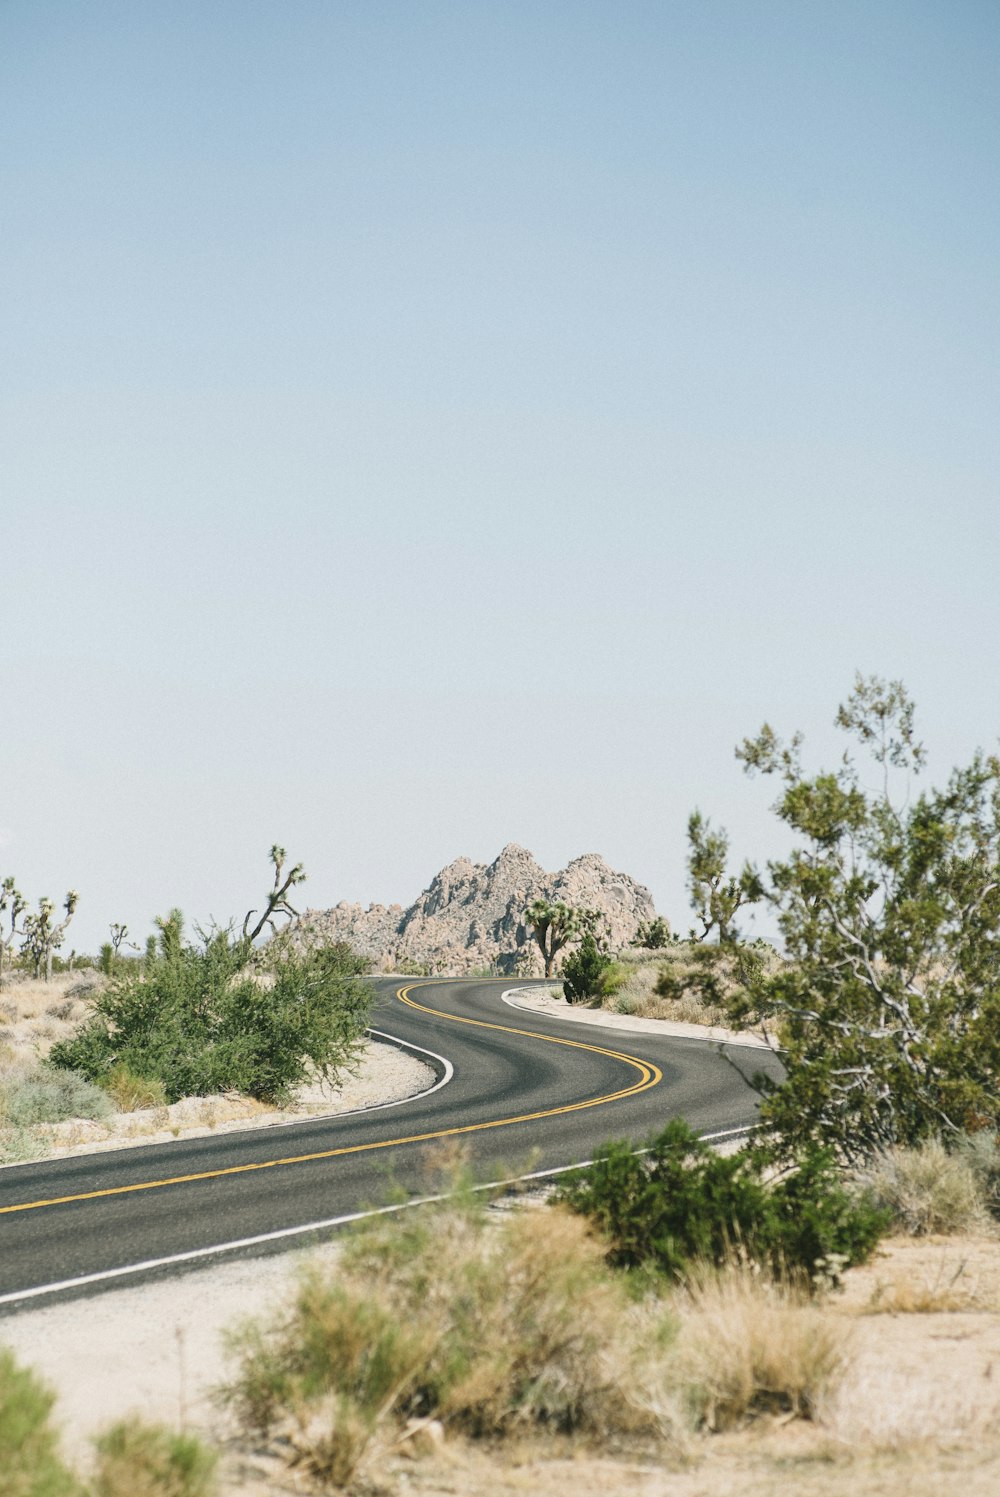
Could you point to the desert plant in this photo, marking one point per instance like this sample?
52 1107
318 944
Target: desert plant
44 1093
653 935
928 1189
889 908
200 1019
12 906
678 1204
583 971
553 926
30 1463
981 1151
132 1093
277 898
139 1459
42 935
717 897
489 1327
748 1346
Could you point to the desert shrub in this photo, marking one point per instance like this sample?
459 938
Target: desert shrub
202 1019
138 1459
17 1145
131 1093
679 1204
928 1189
749 1346
47 1094
981 1151
584 970
653 935
30 1464
488 1327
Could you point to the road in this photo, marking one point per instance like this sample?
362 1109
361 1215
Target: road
525 1092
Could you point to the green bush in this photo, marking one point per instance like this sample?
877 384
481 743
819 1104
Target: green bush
30 1465
583 972
137 1459
204 1019
681 1204
47 1094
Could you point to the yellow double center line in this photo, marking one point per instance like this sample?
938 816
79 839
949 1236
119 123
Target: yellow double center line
649 1075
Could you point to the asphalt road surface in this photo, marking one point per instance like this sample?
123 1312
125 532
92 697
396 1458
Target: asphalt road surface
525 1091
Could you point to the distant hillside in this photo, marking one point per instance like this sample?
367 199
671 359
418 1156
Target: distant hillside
470 915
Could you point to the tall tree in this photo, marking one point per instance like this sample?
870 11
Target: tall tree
12 906
552 926
717 896
889 905
43 936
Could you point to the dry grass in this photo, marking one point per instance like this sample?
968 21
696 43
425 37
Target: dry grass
492 1327
749 1346
929 1190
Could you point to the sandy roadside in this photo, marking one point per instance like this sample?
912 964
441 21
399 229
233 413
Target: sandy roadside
919 1413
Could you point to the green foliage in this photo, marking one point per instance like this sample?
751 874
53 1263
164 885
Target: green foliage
45 1093
653 935
583 971
203 1019
716 896
106 959
30 1465
680 1204
552 925
889 906
139 1459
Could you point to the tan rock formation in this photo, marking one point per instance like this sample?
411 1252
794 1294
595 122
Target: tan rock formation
471 915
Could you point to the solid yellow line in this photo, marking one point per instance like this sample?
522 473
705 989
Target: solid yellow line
649 1076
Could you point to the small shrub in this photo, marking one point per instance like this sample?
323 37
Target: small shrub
928 1190
749 1346
489 1327
47 1094
679 1204
584 971
17 1145
137 1459
981 1152
30 1464
132 1093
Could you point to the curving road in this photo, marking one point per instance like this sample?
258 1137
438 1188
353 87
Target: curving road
527 1092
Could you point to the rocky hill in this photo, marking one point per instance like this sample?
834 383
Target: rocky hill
470 915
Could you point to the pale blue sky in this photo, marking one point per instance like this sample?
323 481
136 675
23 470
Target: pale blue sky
426 425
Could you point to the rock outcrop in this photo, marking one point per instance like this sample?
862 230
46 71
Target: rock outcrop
471 915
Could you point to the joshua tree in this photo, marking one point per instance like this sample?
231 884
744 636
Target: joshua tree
552 926
716 897
277 899
12 904
42 937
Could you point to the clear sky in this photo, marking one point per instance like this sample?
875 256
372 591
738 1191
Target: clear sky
430 425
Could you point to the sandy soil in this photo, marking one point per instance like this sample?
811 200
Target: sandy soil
918 1415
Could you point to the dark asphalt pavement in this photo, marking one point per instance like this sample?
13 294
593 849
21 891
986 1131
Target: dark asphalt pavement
519 1100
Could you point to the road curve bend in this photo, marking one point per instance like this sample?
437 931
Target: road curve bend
525 1093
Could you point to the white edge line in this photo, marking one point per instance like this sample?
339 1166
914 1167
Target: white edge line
312 1117
507 997
197 1254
